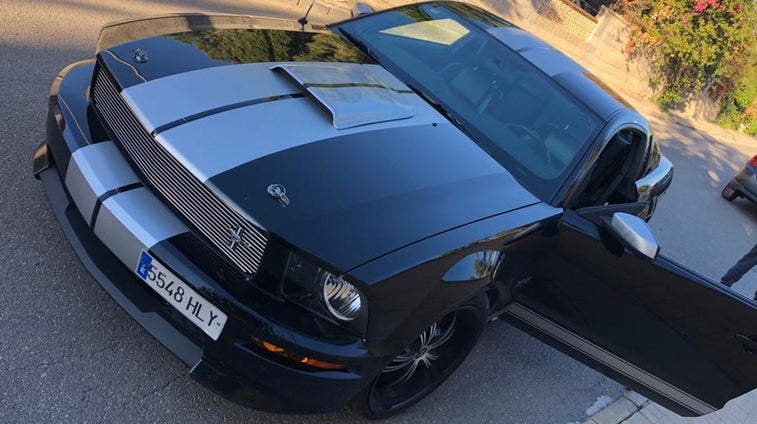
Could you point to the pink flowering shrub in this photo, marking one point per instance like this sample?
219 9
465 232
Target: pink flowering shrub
696 46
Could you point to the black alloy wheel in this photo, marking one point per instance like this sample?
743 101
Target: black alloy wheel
424 364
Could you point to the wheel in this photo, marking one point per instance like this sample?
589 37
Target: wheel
423 365
729 193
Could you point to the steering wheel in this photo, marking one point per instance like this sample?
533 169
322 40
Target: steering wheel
533 138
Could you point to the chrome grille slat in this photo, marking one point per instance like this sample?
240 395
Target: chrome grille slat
205 211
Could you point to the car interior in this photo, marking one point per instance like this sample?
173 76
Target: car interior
613 175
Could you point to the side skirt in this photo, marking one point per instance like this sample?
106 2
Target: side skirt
605 362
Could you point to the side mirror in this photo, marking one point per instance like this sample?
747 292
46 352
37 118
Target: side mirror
360 9
656 181
634 233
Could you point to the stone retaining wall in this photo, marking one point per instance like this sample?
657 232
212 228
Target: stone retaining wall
569 17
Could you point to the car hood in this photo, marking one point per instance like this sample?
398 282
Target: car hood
367 166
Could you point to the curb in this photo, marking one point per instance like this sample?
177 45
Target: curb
620 411
632 408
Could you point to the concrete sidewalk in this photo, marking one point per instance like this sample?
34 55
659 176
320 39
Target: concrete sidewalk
633 408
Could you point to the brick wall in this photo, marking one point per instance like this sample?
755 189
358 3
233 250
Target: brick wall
569 17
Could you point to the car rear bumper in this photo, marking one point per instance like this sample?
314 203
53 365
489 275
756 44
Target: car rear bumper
109 217
745 182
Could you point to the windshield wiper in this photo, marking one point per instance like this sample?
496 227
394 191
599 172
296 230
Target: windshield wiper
441 109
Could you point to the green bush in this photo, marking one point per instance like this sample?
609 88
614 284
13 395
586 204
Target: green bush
739 105
696 47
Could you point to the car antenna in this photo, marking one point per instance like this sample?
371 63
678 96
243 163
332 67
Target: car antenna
304 20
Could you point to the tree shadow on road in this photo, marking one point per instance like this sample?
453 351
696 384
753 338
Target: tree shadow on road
693 222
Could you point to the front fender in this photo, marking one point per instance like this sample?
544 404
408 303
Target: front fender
406 289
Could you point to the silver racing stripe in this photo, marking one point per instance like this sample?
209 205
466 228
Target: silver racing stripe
93 171
172 98
208 214
133 221
126 222
211 143
354 94
217 143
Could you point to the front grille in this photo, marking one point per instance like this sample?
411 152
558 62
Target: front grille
210 216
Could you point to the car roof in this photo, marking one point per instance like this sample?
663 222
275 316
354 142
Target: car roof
574 78
584 86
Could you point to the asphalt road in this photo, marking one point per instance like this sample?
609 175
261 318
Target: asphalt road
69 354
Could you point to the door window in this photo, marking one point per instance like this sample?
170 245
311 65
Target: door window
611 180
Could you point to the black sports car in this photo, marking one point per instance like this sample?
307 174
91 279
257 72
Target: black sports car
312 217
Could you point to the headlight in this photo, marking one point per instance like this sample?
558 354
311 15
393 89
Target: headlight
326 294
342 298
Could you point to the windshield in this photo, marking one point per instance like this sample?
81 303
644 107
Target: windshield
506 105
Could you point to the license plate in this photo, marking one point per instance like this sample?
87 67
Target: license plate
182 297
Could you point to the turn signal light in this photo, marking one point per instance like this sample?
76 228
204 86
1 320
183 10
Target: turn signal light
272 348
753 161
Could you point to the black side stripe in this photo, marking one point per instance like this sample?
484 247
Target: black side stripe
354 84
204 114
105 196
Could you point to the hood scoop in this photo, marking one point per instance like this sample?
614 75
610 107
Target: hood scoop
353 94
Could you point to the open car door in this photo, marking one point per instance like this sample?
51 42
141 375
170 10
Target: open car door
668 332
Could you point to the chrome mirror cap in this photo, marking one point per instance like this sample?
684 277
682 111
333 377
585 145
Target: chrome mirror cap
656 181
635 234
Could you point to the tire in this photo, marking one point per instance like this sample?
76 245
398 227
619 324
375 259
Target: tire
423 365
729 193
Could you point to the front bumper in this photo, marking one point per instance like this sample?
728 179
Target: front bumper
110 217
745 182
